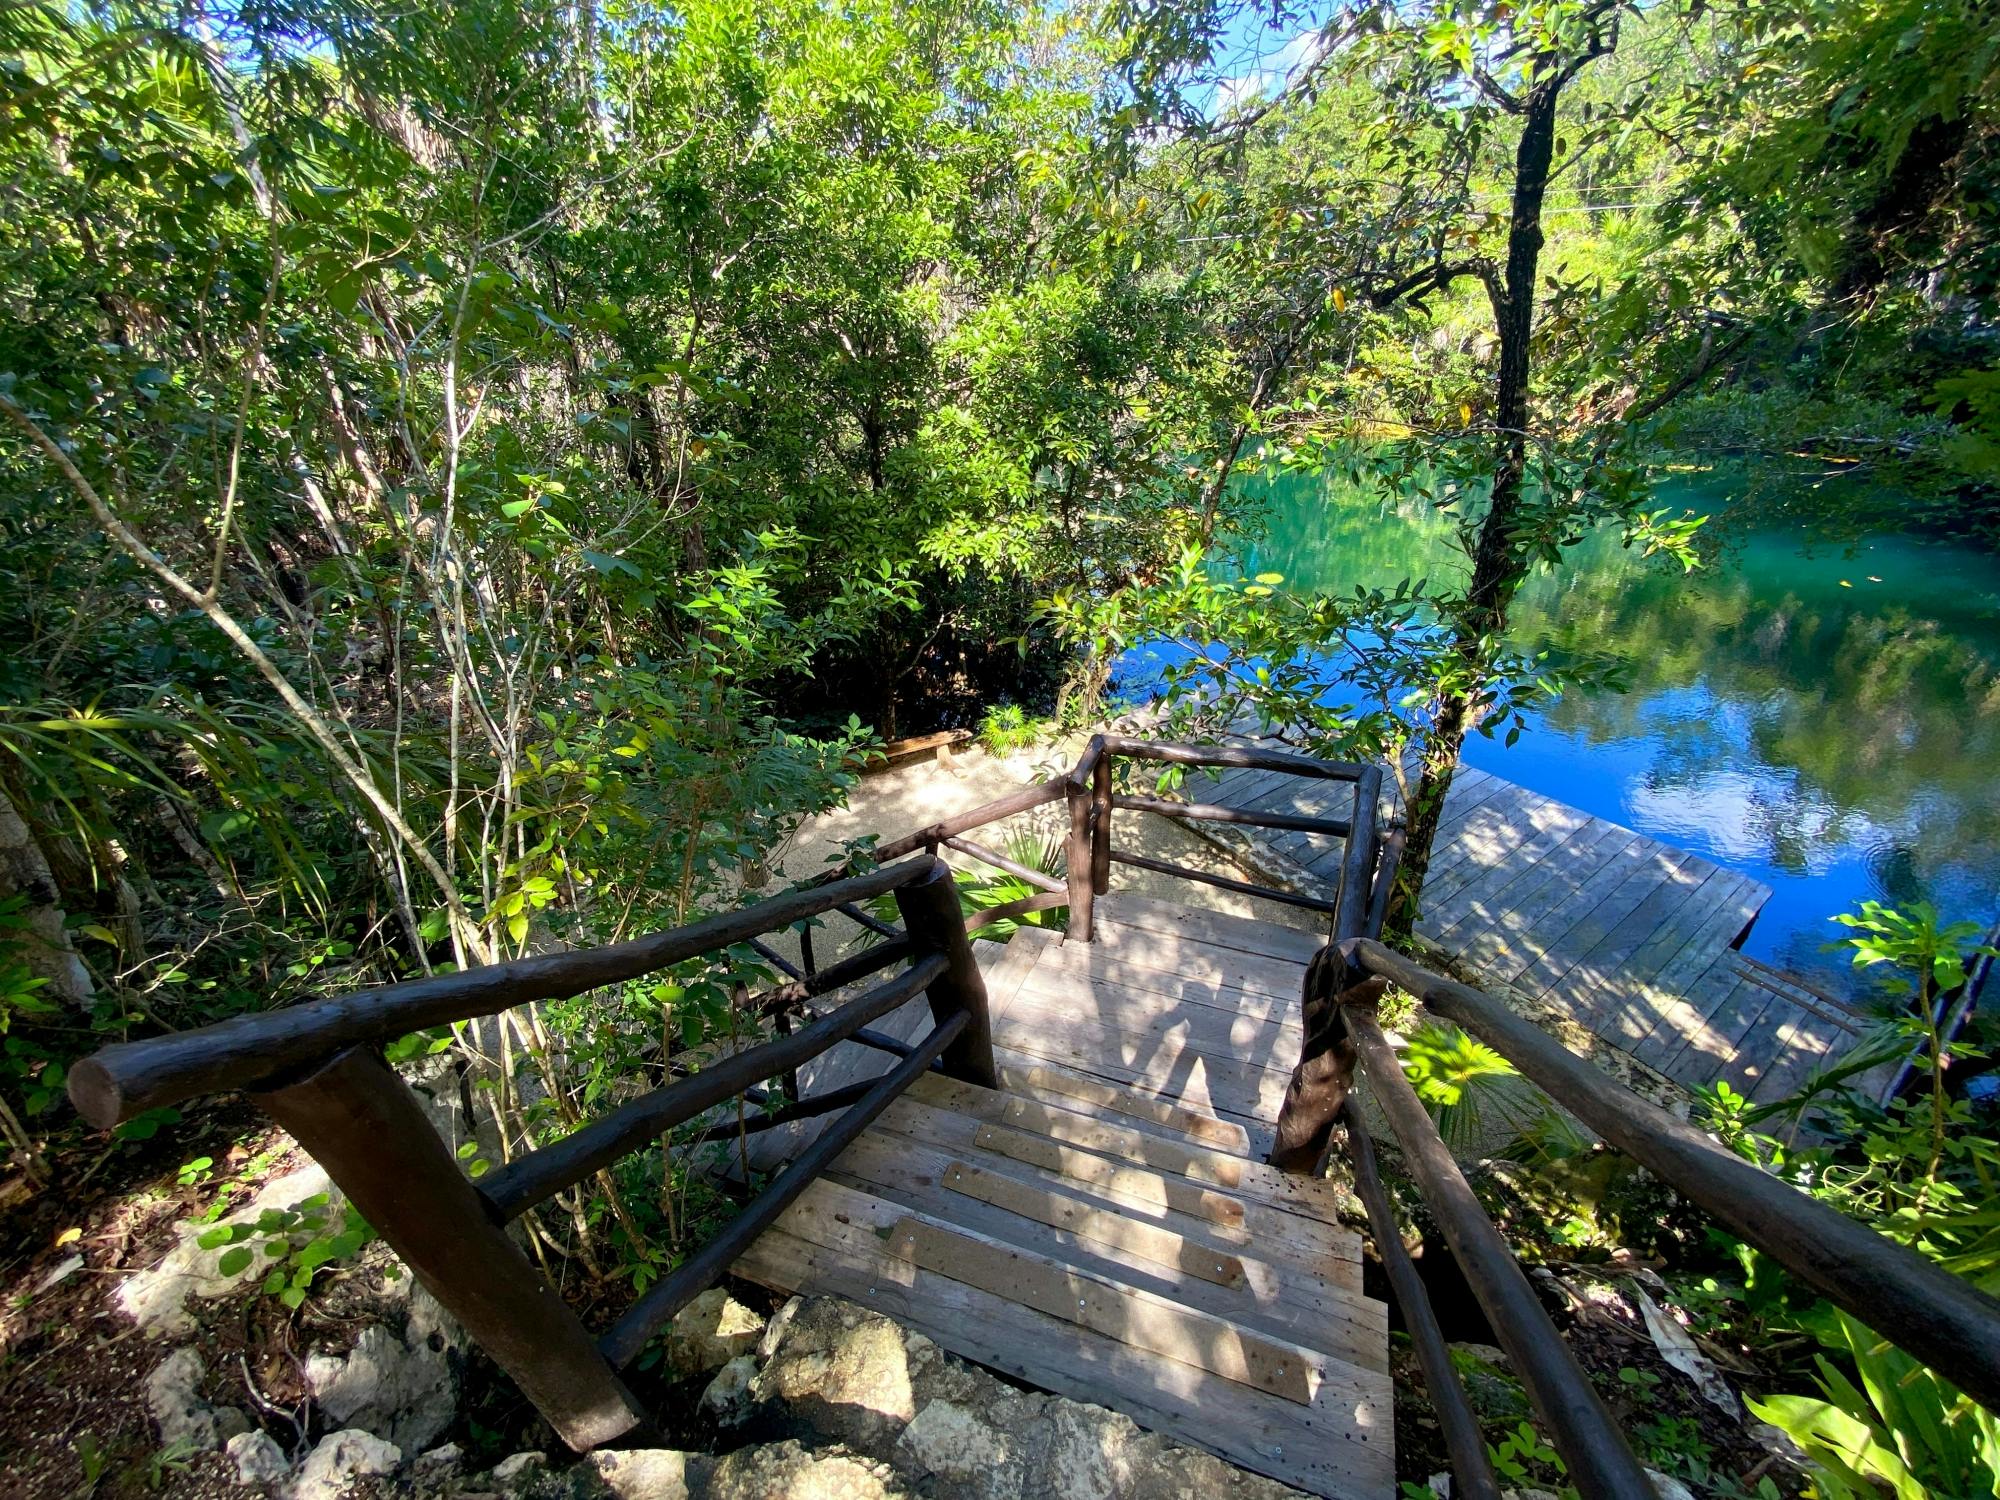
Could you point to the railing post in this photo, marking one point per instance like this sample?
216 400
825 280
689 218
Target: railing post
1601 1463
1100 824
359 1121
1320 1084
1079 858
932 918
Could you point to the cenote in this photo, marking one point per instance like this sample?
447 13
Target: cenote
1818 712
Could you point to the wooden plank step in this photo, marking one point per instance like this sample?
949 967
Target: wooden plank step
1339 1445
1133 1317
1217 929
1250 1180
1147 1248
1093 1096
1212 1215
1136 984
1244 1093
1141 1014
1117 949
1006 966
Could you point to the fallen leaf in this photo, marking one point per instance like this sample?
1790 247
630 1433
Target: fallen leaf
60 1274
1679 1350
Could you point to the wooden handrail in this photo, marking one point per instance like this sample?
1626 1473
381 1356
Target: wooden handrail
1223 882
1242 757
1020 907
645 1317
930 836
1472 1474
1211 812
836 976
1941 1319
318 1072
527 1180
126 1079
1357 864
1601 1463
1005 865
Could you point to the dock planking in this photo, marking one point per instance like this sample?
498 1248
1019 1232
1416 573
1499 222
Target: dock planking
1628 935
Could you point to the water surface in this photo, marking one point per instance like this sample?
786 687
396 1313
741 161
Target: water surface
1821 714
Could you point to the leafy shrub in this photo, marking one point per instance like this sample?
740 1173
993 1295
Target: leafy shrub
293 1245
1008 727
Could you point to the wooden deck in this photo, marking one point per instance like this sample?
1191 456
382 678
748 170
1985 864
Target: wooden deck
1103 1225
1631 937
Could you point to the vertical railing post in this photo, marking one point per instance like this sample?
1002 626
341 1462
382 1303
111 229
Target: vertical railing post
1078 859
1357 861
932 918
360 1122
1100 824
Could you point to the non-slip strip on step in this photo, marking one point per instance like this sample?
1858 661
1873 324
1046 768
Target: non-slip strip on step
1161 1246
1219 1135
1083 1166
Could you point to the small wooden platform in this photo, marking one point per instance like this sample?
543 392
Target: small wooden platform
1631 937
1103 1225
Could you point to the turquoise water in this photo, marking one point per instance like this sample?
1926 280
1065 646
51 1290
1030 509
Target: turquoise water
1818 713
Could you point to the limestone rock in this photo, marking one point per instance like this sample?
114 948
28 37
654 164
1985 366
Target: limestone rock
405 1388
710 1331
787 1471
954 1432
258 1458
442 1459
646 1473
953 1441
518 1474
157 1299
173 1396
842 1369
729 1398
341 1458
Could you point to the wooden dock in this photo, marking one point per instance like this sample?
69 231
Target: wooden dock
1627 935
1103 1224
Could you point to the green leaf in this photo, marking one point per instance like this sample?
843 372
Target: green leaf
234 1260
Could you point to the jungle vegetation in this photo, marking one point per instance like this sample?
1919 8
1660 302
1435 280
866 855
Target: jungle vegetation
476 477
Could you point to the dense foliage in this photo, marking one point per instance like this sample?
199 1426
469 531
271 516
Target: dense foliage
475 479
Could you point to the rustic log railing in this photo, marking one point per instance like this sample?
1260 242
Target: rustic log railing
1941 1319
317 1070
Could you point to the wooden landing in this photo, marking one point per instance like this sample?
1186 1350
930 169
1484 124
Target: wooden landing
1629 936
1103 1225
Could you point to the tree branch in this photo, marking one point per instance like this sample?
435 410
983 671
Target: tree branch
135 546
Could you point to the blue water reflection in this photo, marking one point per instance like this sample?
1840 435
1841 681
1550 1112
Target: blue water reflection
1820 714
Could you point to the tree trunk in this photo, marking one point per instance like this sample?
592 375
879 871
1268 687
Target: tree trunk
1496 563
25 872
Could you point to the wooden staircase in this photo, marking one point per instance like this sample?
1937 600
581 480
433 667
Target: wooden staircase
1090 1229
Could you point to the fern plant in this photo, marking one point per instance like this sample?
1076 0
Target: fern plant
1471 1091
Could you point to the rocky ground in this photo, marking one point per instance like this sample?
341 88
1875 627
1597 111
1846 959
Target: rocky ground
181 1385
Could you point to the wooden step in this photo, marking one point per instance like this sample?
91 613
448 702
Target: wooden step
1267 940
1004 966
1140 1111
1205 1214
1188 1263
1267 1404
1252 1181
